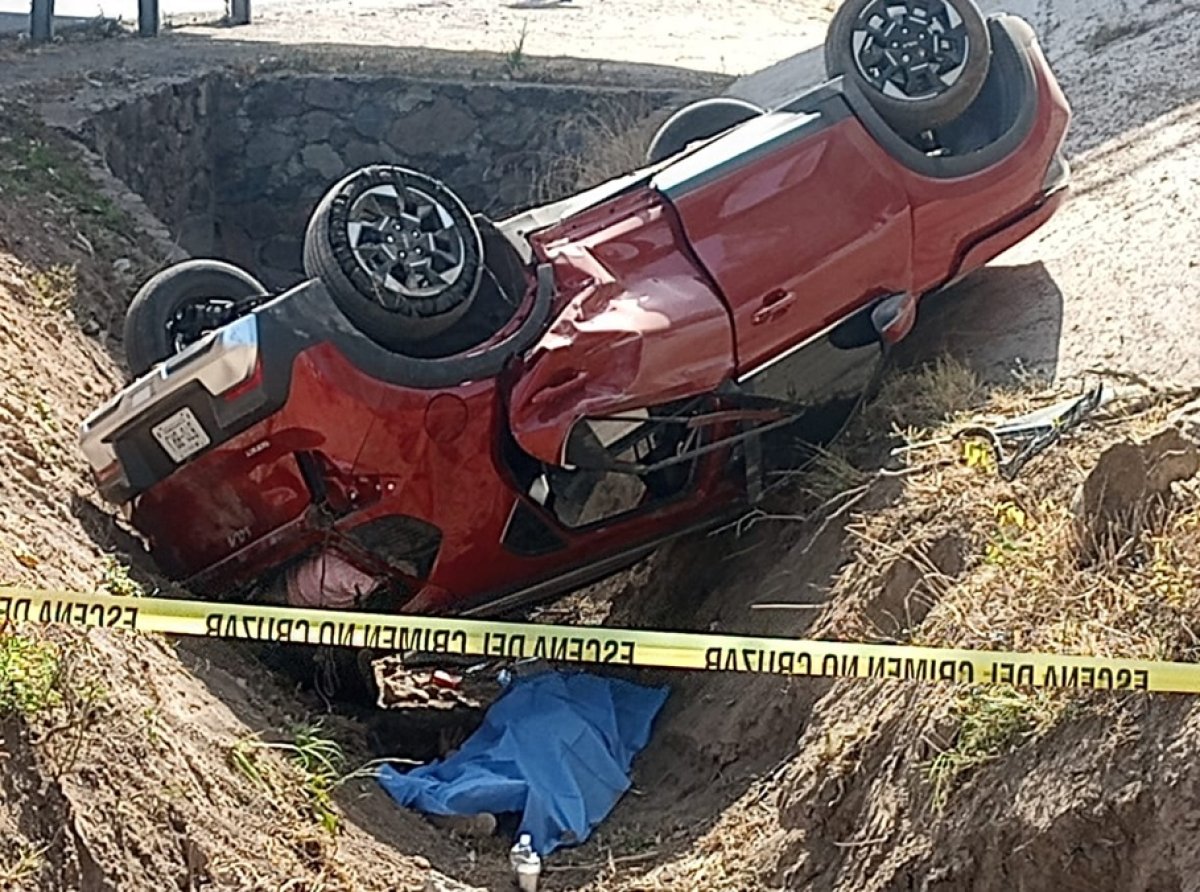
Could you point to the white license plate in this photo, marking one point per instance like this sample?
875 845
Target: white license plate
181 435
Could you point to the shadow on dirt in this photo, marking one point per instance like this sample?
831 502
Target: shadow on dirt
999 321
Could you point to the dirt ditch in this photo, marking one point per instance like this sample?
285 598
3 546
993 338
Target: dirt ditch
134 763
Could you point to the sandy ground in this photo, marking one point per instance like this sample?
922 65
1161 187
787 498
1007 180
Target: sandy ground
742 38
732 37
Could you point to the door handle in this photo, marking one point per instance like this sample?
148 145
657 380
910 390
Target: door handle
773 306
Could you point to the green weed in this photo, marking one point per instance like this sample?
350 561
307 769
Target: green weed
37 162
115 580
992 721
29 675
831 473
514 59
318 759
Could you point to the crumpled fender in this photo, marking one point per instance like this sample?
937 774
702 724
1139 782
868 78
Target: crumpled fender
617 346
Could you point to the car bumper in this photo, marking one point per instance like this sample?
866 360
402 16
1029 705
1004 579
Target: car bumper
999 241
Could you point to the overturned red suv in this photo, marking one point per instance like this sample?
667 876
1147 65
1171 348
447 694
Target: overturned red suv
457 415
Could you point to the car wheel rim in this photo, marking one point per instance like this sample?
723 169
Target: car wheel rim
406 241
197 318
910 50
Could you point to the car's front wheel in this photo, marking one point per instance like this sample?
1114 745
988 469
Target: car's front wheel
398 252
180 305
920 63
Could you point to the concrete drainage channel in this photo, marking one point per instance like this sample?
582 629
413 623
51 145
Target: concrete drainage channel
233 166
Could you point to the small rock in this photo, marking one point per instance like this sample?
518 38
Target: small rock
90 327
1187 419
323 159
441 128
268 147
317 125
371 121
411 99
484 100
479 826
331 94
440 883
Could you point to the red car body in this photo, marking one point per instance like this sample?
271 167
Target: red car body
688 281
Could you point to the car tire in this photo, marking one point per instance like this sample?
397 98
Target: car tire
699 120
359 241
920 64
147 337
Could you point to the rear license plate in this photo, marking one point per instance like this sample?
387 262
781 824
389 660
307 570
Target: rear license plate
181 435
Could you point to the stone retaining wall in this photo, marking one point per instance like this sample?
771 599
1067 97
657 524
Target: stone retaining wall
235 165
160 146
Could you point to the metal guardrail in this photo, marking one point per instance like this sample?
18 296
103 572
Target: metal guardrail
41 18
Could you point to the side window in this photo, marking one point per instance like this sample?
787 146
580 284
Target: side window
625 464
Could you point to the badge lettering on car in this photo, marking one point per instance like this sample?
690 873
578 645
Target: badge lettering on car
238 537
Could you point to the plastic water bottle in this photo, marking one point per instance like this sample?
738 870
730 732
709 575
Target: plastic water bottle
526 863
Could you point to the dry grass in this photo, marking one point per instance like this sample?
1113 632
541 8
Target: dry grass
1027 582
919 403
24 865
989 722
1018 581
1032 589
611 141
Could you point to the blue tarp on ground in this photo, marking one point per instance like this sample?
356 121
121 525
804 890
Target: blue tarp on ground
555 747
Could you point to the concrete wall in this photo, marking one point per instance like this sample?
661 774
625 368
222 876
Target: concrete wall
235 166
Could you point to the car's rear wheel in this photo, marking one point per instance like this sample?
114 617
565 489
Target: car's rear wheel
398 252
920 63
699 120
179 305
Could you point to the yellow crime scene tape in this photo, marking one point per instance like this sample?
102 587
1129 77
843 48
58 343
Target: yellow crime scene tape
593 645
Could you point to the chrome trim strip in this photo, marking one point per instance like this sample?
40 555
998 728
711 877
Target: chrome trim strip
218 361
736 148
758 370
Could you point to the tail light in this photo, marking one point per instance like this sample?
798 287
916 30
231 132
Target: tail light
249 385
